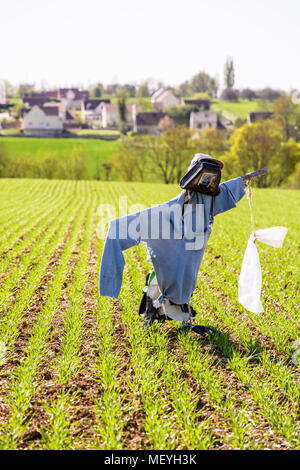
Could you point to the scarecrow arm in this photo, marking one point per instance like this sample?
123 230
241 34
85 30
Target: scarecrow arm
249 176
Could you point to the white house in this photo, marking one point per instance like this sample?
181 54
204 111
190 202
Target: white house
91 111
110 114
68 116
164 98
132 109
40 120
148 123
202 119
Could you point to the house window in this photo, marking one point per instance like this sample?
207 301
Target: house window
199 125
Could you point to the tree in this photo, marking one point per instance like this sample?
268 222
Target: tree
181 114
229 73
4 161
166 123
200 96
122 95
239 122
203 83
124 165
130 160
286 113
248 94
177 151
285 162
112 89
130 89
19 106
158 158
98 91
268 94
7 89
25 89
184 88
211 141
293 181
107 170
229 95
144 105
254 146
143 91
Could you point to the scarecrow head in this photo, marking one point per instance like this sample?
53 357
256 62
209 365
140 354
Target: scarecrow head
203 175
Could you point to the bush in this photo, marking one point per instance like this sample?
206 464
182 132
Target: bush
248 94
3 162
269 94
181 114
50 166
230 95
293 181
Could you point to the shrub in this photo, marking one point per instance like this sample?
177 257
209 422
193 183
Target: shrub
229 95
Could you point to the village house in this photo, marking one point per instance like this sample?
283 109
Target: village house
5 107
111 118
164 98
91 111
42 120
67 115
147 123
258 116
202 119
131 111
110 115
72 97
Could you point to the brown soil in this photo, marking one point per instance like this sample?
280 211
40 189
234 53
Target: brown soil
82 412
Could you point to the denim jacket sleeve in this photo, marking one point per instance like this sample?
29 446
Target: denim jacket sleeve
230 193
113 261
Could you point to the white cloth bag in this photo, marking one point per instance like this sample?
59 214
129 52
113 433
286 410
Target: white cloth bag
250 276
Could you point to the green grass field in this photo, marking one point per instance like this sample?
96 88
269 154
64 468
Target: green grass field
240 108
35 148
80 372
98 132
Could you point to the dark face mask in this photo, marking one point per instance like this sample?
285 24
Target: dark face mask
204 178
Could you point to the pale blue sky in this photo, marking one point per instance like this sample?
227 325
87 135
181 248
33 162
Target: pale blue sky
67 42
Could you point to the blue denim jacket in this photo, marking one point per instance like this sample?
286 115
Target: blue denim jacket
176 244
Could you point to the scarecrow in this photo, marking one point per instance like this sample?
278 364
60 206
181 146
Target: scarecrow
176 233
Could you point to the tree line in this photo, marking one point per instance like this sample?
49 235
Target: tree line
201 82
266 143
